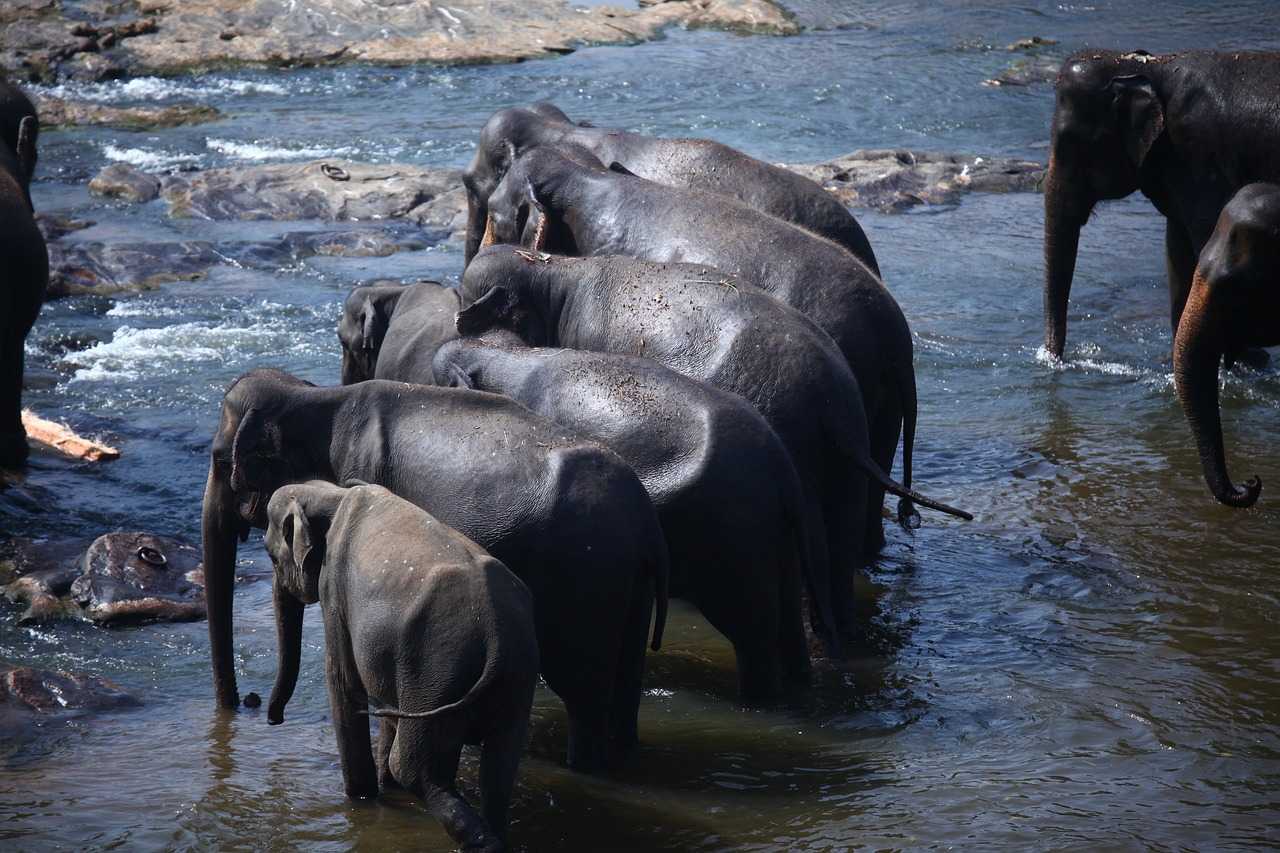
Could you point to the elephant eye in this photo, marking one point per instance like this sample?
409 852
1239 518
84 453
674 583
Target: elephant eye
151 556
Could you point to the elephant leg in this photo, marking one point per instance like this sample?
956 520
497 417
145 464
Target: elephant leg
580 670
499 764
427 756
1180 266
386 745
845 515
793 646
624 712
885 429
818 582
13 438
347 698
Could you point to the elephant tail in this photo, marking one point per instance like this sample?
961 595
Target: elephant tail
488 675
660 567
908 518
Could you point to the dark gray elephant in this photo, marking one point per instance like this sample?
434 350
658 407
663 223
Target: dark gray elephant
1187 129
730 503
1234 304
586 209
717 329
444 639
565 514
25 262
417 317
690 163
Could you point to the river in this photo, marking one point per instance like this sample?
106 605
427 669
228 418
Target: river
1094 663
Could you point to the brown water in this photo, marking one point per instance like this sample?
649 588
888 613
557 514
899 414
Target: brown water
1091 664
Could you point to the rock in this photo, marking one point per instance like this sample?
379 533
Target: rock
28 695
121 180
201 34
115 579
57 112
54 226
1032 43
1025 72
319 190
896 179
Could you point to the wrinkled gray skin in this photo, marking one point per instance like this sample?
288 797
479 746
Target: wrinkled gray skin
1187 129
688 163
1234 304
565 514
119 578
730 503
587 209
714 328
24 263
421 622
28 695
416 319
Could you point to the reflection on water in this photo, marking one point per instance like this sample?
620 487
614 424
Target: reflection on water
1091 663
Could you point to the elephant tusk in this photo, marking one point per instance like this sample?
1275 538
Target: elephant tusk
540 234
489 238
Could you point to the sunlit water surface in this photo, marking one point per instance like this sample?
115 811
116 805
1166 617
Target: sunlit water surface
1092 663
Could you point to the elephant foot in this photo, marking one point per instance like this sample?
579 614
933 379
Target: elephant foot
13 450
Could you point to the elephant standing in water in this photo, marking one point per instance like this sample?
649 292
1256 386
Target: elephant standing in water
24 263
565 514
445 637
417 318
727 494
1234 303
582 208
689 163
1188 129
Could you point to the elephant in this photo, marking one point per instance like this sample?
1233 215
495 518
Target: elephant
688 163
418 318
444 640
716 329
565 514
25 260
1187 129
1233 304
586 209
697 450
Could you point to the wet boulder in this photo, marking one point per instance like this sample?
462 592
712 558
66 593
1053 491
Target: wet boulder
60 112
28 694
893 180
120 180
118 578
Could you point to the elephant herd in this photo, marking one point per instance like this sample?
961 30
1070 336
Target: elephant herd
670 369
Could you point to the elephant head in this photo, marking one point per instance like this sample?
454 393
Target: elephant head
514 295
298 521
267 437
1226 312
1108 117
19 129
506 135
366 315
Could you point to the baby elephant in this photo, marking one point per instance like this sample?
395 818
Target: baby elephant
1234 304
420 620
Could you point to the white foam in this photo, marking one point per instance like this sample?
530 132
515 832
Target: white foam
260 151
141 308
162 89
145 159
175 349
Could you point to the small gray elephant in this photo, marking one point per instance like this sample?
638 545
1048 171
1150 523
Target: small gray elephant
417 619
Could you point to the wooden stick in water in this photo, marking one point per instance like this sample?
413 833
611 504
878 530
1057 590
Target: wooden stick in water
62 439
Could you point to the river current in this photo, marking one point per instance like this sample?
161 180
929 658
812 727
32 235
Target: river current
1094 663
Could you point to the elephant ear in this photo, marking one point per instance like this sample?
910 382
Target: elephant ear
485 312
1139 115
297 534
373 325
253 432
28 130
459 378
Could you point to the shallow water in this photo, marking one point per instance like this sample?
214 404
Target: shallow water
1092 663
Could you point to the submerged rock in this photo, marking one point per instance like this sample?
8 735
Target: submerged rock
892 180
1025 72
108 39
117 578
28 694
121 180
58 112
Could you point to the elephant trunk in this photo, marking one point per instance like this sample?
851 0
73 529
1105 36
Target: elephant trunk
477 220
221 526
289 650
1064 215
1197 350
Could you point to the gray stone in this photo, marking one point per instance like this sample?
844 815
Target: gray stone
122 181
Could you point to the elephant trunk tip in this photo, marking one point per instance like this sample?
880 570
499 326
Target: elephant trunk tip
275 714
908 517
1242 498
